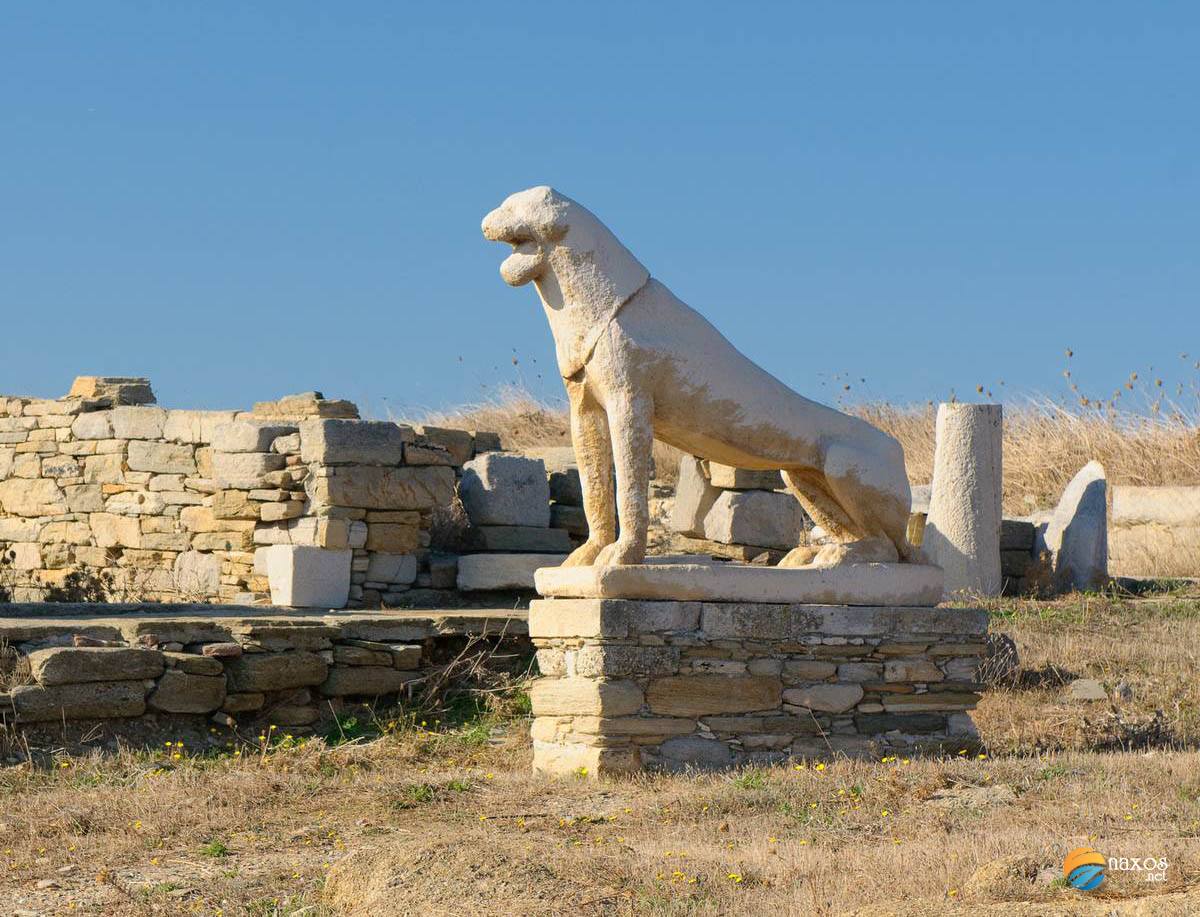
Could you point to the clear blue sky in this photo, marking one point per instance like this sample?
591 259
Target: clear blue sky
243 200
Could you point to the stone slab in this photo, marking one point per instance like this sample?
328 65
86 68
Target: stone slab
478 572
308 577
856 584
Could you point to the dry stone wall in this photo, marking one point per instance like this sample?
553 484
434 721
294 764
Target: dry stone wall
107 496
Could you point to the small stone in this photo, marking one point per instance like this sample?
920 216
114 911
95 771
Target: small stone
1087 689
222 650
830 698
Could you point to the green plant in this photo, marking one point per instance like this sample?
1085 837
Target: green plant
215 848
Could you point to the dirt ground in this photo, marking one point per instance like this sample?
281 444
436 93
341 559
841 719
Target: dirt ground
439 819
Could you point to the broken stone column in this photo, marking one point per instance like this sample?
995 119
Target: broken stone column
962 534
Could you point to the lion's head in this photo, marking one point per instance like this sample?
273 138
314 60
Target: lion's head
552 234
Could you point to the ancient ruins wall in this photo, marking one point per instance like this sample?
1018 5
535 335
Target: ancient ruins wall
107 496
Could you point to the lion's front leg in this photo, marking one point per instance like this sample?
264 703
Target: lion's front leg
630 420
593 454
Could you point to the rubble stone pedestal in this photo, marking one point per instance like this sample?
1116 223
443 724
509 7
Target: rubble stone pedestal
631 684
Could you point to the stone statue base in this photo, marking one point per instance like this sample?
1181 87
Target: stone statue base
630 684
854 584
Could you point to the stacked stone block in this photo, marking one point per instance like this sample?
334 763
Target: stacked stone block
507 500
105 495
286 674
630 684
736 513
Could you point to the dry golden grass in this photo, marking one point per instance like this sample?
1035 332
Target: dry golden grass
1044 443
430 823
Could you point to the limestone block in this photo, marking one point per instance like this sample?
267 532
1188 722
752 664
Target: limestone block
194 427
460 444
856 584
61 466
135 503
502 571
1017 535
566 487
31 497
66 533
962 533
104 469
406 657
72 665
308 577
138 422
392 568
727 477
694 497
179 692
243 702
244 470
353 442
911 670
392 538
115 531
7 459
377 487
36 703
501 489
695 751
349 654
94 425
233 504
758 517
827 698
364 681
1077 535
164 458
584 697
13 528
305 404
25 556
486 441
701 695
193 664
277 512
112 390
571 519
197 574
84 498
257 672
518 539
287 445
617 660
578 759
248 435
610 618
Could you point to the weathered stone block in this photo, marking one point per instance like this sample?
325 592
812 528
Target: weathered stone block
97 700
356 442
392 538
180 692
164 458
518 538
500 489
257 672
392 568
610 618
828 698
757 517
584 697
919 670
376 487
244 470
478 572
73 665
700 695
308 577
248 435
458 443
36 497
613 660
694 497
729 478
94 425
364 681
138 422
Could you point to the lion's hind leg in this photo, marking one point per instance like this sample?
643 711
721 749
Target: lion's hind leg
809 487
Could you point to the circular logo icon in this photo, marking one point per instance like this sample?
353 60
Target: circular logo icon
1084 869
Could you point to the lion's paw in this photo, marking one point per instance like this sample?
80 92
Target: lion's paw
620 553
802 556
584 555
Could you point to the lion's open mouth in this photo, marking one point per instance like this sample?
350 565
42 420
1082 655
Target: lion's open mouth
523 265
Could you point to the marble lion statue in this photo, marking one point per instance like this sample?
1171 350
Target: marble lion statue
639 364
